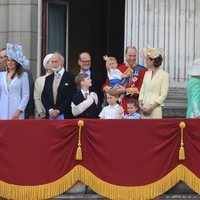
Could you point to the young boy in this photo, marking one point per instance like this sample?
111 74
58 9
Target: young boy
132 108
115 76
112 110
84 103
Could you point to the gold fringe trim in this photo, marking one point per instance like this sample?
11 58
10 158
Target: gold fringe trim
46 191
80 173
182 150
144 192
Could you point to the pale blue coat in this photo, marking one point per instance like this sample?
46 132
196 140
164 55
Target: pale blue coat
16 97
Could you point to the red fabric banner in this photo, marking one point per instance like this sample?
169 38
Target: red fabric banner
118 152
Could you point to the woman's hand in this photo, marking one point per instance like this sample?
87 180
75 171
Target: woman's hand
16 114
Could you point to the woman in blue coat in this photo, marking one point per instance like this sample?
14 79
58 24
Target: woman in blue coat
14 85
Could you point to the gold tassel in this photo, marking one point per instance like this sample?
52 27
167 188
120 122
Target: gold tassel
182 150
79 155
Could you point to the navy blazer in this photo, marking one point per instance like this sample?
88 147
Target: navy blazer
91 112
66 89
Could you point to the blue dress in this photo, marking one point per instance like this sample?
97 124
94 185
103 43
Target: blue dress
193 95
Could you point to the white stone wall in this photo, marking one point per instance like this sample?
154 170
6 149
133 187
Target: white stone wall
18 24
173 25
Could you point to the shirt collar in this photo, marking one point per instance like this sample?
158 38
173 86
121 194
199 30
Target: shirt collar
83 91
88 72
61 72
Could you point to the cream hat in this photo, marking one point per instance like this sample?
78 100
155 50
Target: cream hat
151 52
46 59
194 68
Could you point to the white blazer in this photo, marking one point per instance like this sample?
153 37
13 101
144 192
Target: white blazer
13 97
39 85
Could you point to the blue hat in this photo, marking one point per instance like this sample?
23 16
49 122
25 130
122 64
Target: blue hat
15 52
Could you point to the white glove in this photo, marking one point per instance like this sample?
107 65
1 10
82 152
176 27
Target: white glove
80 108
94 96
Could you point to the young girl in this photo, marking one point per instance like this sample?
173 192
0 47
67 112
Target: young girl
113 110
133 110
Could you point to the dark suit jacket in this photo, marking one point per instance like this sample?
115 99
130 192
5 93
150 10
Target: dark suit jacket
64 95
97 82
90 112
30 108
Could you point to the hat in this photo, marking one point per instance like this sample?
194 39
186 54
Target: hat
46 59
194 68
151 52
15 52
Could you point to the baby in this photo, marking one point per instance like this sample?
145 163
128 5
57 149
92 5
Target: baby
115 76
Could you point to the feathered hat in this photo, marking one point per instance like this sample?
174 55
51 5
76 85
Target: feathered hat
151 52
15 52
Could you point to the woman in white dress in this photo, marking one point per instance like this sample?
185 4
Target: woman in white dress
14 85
155 84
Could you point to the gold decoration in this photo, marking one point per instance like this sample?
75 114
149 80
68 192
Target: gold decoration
79 155
182 150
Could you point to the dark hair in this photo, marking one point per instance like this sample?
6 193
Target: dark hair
134 102
18 71
157 61
79 78
2 49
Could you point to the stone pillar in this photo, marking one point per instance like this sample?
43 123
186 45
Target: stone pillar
173 26
19 25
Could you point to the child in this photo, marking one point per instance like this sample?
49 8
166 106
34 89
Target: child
112 110
115 76
84 103
133 110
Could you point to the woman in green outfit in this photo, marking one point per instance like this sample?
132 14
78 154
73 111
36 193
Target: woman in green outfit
193 90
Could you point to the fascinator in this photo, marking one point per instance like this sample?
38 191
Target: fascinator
47 59
151 52
15 52
194 68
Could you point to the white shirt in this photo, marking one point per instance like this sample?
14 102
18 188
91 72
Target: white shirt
61 72
114 74
111 112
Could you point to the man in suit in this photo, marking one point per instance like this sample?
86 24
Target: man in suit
58 90
84 61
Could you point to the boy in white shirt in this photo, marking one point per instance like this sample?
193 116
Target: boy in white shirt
112 110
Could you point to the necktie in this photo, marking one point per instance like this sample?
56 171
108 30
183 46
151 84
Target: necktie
86 95
58 75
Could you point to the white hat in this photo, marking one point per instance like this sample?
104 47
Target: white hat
194 68
46 59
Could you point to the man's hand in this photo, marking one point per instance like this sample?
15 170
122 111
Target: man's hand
54 113
106 88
